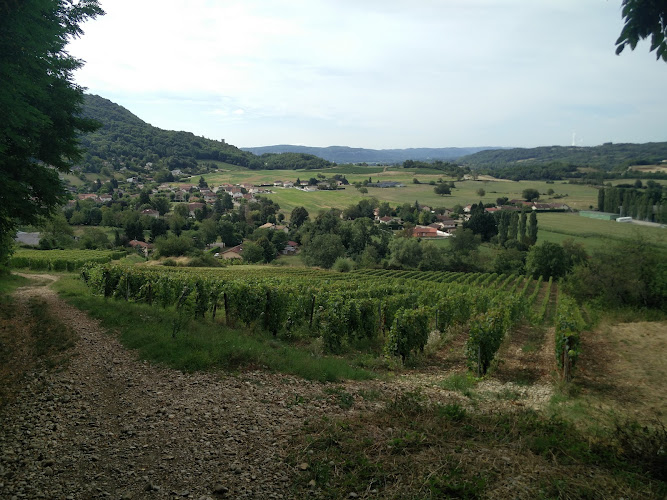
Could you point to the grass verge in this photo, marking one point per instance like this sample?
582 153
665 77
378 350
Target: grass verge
415 449
9 283
202 344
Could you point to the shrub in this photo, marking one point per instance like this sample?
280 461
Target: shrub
343 265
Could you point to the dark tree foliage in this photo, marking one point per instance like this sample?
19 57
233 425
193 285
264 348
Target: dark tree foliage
323 250
39 105
532 228
648 203
126 138
447 168
290 161
482 223
298 216
442 189
550 171
643 19
530 194
642 282
547 260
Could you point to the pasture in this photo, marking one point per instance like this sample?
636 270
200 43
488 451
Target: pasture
580 197
594 233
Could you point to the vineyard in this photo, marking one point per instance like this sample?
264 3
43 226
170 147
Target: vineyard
380 311
61 260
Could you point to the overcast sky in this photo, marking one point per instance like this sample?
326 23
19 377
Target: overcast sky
377 73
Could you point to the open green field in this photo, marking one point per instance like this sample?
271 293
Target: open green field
593 233
465 192
577 196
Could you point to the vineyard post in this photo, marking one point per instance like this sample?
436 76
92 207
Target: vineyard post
312 312
436 319
566 360
379 318
215 307
226 308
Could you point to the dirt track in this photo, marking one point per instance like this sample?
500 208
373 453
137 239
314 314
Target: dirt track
111 426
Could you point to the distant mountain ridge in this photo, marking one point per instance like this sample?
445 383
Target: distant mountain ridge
345 154
608 156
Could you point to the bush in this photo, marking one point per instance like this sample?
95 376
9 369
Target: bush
173 246
343 265
634 273
547 260
204 260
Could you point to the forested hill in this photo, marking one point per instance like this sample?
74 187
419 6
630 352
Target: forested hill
344 154
125 139
606 157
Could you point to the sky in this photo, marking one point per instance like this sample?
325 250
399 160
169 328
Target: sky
377 74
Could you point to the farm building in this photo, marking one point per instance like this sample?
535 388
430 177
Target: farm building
598 215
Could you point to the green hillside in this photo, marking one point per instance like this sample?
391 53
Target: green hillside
608 156
124 140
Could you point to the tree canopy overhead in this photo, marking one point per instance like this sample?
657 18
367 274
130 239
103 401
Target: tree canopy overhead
643 19
39 104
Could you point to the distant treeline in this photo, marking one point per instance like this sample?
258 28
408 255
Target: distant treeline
447 168
556 171
641 202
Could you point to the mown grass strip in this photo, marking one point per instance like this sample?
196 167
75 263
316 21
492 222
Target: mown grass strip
202 344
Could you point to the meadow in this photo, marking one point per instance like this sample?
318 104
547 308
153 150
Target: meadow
594 233
577 196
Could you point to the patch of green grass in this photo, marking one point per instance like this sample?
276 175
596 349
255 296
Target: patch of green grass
530 346
132 258
508 394
459 382
10 282
202 344
413 448
345 399
370 394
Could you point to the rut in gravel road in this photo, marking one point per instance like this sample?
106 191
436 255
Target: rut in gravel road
110 426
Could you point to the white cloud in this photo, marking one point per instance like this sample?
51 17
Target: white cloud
376 73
